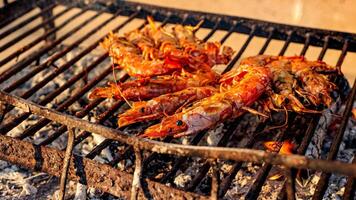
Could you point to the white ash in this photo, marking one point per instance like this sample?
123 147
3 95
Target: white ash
213 136
105 153
183 177
242 181
346 153
17 183
315 147
347 150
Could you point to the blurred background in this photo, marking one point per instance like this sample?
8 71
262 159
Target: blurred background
328 14
339 15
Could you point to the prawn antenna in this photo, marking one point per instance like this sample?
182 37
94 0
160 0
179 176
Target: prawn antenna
196 27
152 23
253 111
118 88
285 122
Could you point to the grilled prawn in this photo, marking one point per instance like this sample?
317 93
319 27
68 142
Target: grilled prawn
163 105
287 72
316 85
154 51
248 84
142 89
128 56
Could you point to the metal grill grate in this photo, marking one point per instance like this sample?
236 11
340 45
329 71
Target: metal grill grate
39 157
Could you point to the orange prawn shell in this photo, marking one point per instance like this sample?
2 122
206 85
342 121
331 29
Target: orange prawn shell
210 111
163 105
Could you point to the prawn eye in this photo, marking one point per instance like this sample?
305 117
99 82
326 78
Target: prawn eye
142 110
179 123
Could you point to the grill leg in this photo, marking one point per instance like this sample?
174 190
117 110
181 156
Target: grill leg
136 182
68 155
290 183
215 181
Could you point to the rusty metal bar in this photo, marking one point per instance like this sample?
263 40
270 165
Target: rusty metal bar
10 19
23 49
98 148
179 161
324 178
306 44
268 40
136 182
7 127
101 120
214 181
66 162
290 183
350 187
315 119
82 170
81 136
212 31
227 180
206 166
286 43
262 173
236 154
25 22
59 70
342 55
55 57
127 151
14 69
229 32
242 49
165 21
325 48
63 128
43 122
27 33
81 114
225 183
36 55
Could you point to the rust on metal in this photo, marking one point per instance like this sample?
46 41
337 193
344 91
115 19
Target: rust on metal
136 180
66 162
290 183
83 170
236 154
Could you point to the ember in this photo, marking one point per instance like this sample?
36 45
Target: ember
285 147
